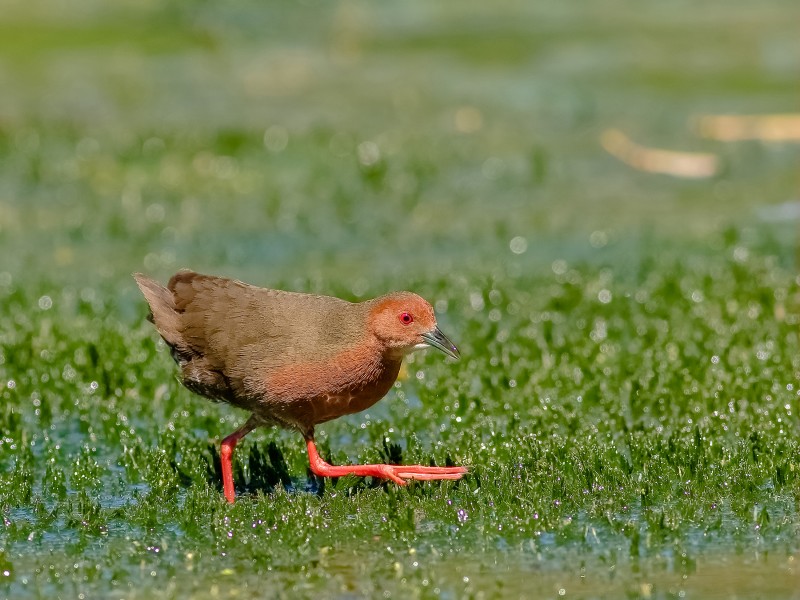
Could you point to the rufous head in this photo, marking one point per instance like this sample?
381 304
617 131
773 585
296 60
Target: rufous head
404 322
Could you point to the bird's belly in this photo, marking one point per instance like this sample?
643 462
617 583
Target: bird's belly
332 407
306 411
304 395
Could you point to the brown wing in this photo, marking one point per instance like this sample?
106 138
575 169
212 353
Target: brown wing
228 336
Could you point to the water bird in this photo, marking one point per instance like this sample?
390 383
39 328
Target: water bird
291 359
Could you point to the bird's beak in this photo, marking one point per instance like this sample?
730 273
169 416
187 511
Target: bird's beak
439 340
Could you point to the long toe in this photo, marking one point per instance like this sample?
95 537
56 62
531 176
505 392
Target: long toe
430 476
422 473
435 470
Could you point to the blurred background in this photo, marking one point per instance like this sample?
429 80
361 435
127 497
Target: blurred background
600 198
362 145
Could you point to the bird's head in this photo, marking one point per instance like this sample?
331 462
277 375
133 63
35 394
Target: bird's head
404 322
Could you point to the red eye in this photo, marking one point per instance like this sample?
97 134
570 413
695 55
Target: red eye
406 318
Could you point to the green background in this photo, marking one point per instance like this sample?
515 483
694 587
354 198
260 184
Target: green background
627 397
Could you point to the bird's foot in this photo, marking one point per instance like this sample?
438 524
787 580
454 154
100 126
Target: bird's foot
400 474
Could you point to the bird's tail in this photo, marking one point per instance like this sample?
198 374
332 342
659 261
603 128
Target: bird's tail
163 312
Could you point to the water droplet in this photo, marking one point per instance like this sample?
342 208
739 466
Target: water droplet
518 245
368 153
276 138
598 239
559 266
476 301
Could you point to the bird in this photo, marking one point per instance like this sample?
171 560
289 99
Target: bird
291 359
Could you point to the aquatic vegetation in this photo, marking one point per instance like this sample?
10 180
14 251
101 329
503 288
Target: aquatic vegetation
627 396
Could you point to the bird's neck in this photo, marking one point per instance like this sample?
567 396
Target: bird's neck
378 361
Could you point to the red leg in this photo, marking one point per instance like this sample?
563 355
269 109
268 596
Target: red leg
226 454
397 473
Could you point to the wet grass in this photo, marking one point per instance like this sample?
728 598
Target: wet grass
627 397
609 420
